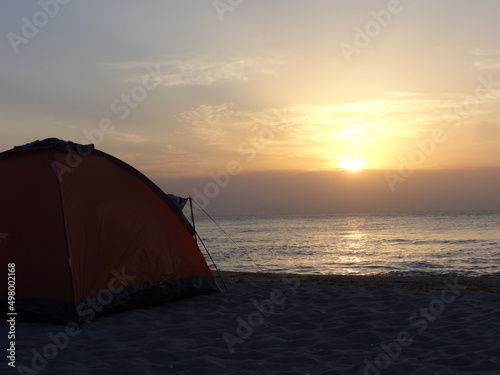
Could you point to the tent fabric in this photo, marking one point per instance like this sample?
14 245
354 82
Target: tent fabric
89 233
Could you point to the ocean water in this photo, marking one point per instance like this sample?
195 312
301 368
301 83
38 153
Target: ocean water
461 243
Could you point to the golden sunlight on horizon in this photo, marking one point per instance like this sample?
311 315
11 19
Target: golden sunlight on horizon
351 164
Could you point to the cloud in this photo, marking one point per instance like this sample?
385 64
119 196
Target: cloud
206 70
398 114
173 150
487 64
484 52
128 137
486 58
311 137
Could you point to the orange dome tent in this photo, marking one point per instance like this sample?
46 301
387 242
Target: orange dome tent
88 233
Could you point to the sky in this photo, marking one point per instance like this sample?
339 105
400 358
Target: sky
397 102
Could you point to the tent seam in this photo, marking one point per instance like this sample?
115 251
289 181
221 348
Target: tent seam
66 238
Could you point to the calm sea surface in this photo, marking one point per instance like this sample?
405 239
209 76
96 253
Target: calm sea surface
463 243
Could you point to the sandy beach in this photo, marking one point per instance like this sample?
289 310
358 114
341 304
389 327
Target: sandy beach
285 324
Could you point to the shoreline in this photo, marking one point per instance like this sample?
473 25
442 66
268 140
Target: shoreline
476 283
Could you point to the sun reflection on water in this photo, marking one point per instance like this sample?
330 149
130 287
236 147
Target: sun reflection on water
361 244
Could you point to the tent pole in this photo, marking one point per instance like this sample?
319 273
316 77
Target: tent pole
192 215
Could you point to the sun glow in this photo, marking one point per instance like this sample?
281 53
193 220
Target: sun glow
351 164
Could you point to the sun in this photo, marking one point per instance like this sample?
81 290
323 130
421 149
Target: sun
350 163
